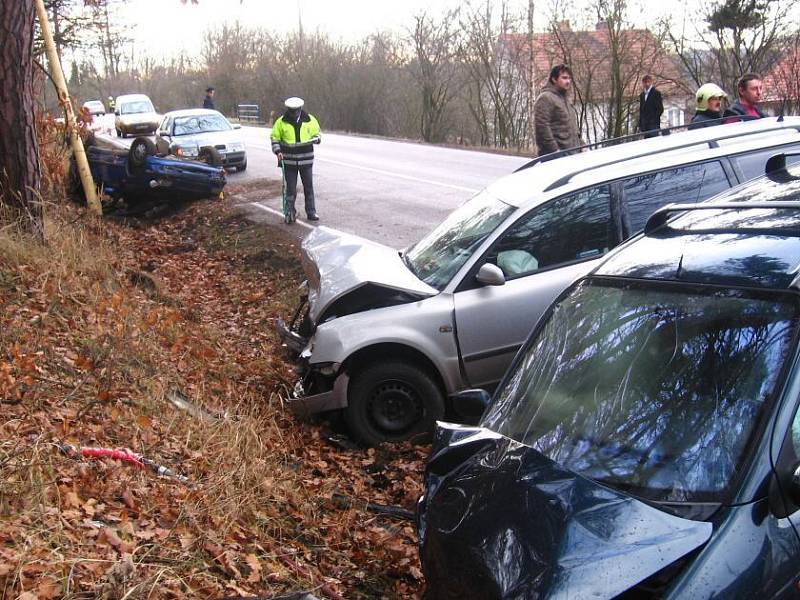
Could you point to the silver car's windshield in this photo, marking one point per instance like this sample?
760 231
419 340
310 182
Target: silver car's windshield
130 108
650 389
200 124
437 257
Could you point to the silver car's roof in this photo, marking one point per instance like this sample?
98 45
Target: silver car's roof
527 187
192 112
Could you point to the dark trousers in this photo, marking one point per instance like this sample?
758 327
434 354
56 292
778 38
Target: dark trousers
308 186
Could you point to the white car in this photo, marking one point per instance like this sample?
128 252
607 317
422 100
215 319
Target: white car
387 336
135 115
194 131
95 107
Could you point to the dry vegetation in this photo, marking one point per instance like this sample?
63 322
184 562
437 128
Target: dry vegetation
100 328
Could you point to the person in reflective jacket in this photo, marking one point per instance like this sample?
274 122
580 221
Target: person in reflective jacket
293 136
709 98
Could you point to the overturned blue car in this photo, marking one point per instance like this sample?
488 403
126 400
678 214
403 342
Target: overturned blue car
138 173
645 443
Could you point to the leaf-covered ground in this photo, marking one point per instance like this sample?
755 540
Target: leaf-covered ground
157 336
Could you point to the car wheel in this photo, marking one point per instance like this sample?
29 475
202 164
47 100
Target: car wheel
210 156
119 133
242 167
141 148
392 402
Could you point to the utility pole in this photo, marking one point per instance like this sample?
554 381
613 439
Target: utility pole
63 97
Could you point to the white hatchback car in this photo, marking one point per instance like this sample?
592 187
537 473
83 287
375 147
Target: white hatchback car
192 131
134 115
388 336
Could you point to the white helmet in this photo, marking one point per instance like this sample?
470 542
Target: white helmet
294 102
707 91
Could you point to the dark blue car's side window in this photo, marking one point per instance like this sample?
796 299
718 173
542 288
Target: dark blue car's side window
752 165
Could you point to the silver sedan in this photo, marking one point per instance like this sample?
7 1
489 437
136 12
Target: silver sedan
204 134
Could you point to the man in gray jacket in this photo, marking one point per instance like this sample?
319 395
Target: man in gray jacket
554 124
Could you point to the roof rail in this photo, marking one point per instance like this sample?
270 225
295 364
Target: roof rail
712 143
630 137
662 215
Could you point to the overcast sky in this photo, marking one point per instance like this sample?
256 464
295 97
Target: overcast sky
164 27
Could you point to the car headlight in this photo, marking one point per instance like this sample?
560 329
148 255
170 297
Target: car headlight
236 146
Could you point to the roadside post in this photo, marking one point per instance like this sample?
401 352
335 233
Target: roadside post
63 95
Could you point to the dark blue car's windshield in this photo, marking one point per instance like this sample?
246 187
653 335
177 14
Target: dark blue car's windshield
655 390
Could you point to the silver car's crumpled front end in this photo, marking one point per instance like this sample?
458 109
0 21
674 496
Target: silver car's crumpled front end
338 263
345 274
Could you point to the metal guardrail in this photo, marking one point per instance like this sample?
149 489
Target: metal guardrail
248 113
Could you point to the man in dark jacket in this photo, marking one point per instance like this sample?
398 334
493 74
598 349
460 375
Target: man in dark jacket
751 91
554 124
651 107
208 102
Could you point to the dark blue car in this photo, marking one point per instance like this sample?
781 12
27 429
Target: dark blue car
645 442
138 173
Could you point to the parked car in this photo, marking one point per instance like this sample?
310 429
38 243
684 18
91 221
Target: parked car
136 173
95 107
645 443
188 131
387 336
135 115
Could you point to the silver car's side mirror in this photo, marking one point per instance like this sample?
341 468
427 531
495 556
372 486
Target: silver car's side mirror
237 126
490 274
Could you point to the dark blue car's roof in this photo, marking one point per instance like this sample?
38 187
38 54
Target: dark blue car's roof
749 247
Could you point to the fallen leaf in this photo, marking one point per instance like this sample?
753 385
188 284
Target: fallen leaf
255 568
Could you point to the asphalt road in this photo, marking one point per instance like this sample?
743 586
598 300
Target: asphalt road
392 192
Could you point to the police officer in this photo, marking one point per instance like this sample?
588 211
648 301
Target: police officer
111 104
293 136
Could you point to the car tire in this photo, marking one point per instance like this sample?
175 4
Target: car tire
392 402
141 148
210 156
242 167
119 133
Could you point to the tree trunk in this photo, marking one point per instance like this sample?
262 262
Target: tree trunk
20 174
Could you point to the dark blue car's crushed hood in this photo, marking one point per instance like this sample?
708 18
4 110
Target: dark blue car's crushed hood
499 520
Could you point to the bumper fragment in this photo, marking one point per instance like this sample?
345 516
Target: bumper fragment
334 399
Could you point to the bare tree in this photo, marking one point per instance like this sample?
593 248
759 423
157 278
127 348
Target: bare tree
730 37
496 69
434 69
608 60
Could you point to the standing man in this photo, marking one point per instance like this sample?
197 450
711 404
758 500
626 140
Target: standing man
751 91
112 106
293 136
208 102
651 107
554 125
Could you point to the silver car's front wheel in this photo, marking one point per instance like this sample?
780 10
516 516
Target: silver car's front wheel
391 402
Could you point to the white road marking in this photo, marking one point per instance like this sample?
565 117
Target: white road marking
279 213
388 173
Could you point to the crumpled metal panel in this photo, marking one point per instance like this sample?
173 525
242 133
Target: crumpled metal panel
500 520
336 263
